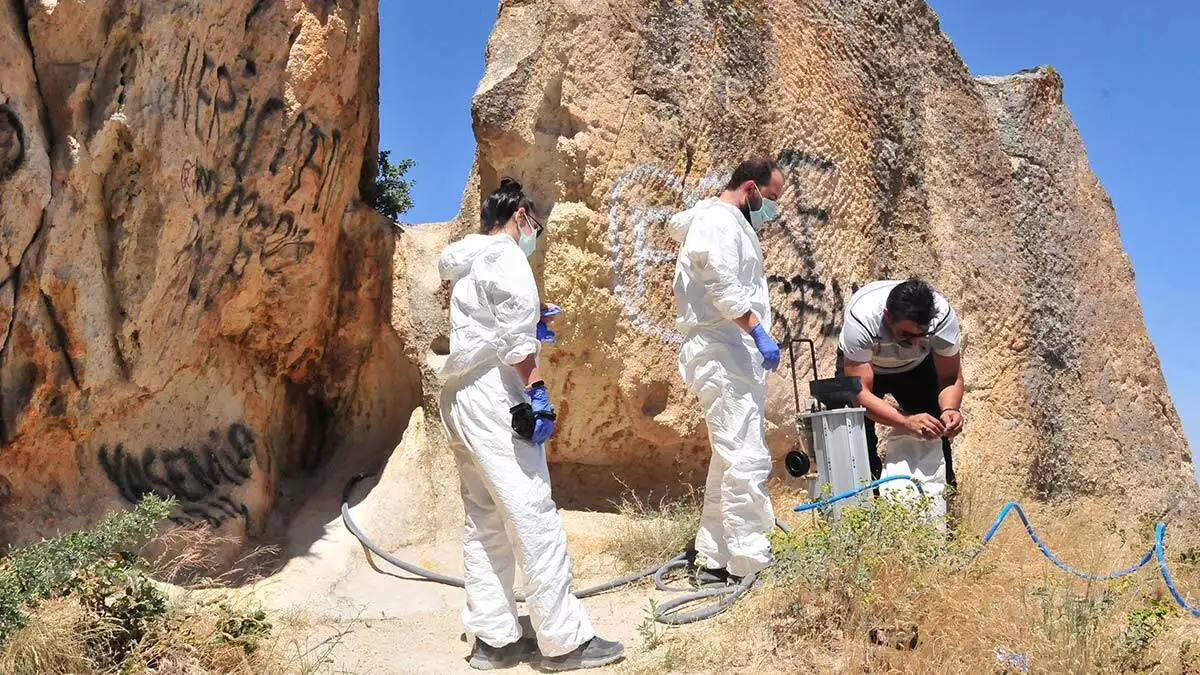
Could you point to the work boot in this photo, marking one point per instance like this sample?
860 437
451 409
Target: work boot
591 654
487 657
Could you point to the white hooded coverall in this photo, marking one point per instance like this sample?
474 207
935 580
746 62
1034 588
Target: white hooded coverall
718 278
505 484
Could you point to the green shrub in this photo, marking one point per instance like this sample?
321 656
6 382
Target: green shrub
1143 625
242 627
852 568
97 566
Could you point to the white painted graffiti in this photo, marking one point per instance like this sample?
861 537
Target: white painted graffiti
638 218
644 198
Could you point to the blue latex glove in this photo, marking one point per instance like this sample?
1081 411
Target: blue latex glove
766 346
543 427
544 334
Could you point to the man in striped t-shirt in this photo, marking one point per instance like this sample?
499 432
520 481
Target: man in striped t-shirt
902 338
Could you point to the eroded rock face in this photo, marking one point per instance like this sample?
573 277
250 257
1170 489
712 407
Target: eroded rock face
190 285
195 302
897 162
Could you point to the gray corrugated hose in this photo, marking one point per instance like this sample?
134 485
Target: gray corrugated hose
667 612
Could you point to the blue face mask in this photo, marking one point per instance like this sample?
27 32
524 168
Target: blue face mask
767 211
527 242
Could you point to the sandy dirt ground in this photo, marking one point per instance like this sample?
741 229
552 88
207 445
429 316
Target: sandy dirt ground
365 616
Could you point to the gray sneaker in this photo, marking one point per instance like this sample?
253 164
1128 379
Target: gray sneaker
591 654
487 657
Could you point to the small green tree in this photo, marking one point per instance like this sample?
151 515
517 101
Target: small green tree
392 195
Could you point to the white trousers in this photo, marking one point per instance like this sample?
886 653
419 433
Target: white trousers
737 513
922 459
510 516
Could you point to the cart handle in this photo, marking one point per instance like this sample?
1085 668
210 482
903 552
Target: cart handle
812 352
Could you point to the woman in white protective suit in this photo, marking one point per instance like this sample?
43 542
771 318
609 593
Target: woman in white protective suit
497 415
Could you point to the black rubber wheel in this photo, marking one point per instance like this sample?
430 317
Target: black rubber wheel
797 463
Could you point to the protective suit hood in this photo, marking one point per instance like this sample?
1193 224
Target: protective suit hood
458 257
681 222
494 307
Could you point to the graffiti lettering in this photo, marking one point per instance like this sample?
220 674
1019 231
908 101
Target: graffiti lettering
206 95
275 236
201 478
247 143
644 198
804 298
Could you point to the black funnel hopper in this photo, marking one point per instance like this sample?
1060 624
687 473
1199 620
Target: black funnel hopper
836 392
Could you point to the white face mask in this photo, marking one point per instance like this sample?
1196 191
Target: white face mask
527 242
767 211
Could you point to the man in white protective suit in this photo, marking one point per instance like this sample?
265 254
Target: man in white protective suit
497 415
902 338
724 314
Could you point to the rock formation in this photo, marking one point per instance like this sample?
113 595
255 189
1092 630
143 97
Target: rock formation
897 162
193 295
195 301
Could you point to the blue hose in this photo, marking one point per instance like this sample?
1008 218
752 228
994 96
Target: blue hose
1159 530
856 491
1156 550
1013 506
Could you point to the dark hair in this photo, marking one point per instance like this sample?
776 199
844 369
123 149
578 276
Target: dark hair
501 204
758 170
912 300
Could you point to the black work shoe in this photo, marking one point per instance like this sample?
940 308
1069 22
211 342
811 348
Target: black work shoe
706 577
591 654
487 657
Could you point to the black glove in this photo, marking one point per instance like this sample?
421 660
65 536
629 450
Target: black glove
522 420
526 421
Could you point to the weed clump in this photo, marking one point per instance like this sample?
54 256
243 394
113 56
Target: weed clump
861 572
655 532
85 602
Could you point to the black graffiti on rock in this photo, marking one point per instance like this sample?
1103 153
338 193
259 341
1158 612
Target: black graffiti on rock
12 142
802 294
250 135
248 187
275 235
805 212
202 478
798 298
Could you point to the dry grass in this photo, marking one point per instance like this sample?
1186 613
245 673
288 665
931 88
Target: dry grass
828 591
192 640
196 557
196 639
55 641
655 532
207 628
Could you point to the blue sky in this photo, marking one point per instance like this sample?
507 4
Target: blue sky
1131 83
